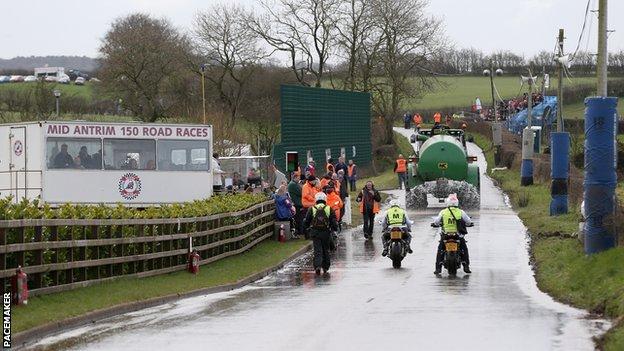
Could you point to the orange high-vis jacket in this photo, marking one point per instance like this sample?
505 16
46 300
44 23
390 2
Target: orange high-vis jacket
401 165
437 117
417 119
375 207
350 170
308 191
333 200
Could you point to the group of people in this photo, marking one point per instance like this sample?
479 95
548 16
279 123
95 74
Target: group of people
315 208
416 119
315 204
81 161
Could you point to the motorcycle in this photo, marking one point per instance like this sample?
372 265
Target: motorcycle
397 247
452 254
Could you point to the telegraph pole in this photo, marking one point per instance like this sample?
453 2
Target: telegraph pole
530 101
492 87
560 85
601 64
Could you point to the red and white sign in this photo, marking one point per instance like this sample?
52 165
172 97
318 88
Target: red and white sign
92 130
18 148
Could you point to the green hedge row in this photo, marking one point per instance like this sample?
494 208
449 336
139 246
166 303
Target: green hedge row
217 204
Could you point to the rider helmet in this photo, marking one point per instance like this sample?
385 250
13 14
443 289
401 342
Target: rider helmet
394 203
452 200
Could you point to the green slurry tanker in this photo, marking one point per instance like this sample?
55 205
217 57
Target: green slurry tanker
440 167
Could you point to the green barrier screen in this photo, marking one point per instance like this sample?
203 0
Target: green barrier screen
323 122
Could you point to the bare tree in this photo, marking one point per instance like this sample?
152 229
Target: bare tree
407 38
303 29
142 58
232 52
354 26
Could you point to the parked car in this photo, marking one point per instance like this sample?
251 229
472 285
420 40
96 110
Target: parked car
79 81
5 79
16 79
30 79
64 79
51 79
95 80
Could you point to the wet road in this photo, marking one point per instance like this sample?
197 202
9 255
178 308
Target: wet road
364 304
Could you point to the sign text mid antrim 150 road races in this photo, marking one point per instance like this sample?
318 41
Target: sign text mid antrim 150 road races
127 131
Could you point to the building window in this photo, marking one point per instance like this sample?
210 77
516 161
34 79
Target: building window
129 154
183 155
73 153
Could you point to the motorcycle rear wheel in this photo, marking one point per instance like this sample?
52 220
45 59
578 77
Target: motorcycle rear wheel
396 263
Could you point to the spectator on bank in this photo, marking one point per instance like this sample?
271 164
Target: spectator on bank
478 105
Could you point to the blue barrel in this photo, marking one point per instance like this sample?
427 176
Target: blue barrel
600 172
559 167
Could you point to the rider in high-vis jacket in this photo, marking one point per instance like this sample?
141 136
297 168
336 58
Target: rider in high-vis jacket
447 218
396 216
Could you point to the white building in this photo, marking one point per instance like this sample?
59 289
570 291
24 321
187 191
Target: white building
133 164
50 71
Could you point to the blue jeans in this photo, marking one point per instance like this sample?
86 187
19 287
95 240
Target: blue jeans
402 180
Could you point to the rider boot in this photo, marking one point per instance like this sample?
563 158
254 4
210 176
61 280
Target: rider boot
439 258
466 268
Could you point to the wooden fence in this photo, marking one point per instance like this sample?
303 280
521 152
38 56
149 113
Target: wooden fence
62 254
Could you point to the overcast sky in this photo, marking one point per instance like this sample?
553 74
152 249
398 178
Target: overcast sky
75 27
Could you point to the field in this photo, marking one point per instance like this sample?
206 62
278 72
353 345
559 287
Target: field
65 89
461 91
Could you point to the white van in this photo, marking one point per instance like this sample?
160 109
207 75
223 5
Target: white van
105 163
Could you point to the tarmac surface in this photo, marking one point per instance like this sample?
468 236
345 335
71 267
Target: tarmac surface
365 304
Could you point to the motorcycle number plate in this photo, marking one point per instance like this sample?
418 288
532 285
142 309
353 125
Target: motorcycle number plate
395 235
451 246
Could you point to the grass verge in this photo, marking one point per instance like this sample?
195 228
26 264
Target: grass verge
562 269
55 307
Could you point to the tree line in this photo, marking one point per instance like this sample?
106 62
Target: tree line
377 46
471 61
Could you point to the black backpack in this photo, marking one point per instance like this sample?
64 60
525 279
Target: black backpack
461 225
320 219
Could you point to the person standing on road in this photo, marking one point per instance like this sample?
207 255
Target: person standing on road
352 175
407 120
321 221
344 193
294 189
400 168
417 120
311 168
448 219
369 199
308 191
341 165
437 118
